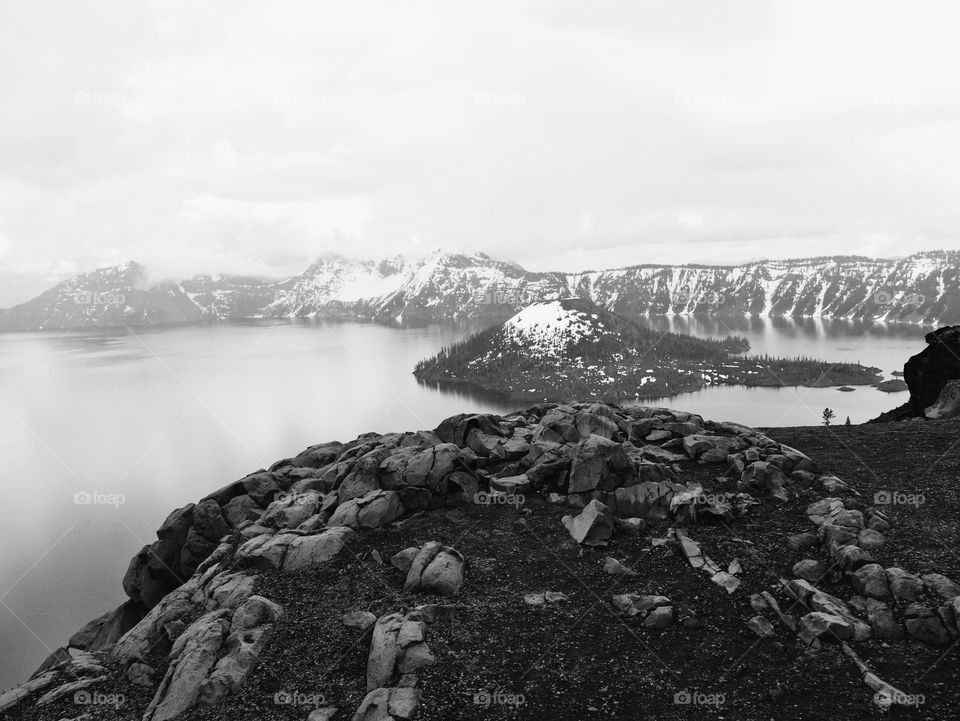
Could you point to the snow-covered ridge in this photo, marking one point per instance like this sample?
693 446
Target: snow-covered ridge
921 288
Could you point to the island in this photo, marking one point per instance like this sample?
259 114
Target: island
572 347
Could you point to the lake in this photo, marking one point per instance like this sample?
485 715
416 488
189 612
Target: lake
152 420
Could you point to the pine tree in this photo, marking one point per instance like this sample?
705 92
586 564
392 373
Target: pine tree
827 416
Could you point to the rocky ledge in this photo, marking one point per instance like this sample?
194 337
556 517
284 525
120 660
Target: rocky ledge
399 576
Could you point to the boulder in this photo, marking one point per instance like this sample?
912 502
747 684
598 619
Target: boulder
809 570
946 589
373 510
306 551
241 508
698 444
397 648
817 624
904 586
591 527
436 568
883 624
928 372
389 704
598 463
871 580
764 476
318 456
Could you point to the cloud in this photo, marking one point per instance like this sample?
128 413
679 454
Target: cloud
249 136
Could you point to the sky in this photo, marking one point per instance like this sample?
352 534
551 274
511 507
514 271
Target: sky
251 137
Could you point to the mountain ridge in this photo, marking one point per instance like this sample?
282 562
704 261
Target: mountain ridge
922 288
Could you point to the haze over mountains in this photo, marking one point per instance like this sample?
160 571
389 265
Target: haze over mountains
920 288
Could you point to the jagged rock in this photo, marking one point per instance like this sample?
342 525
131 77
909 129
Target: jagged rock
655 611
853 557
656 454
870 540
9 699
941 585
318 456
630 526
904 586
361 620
240 509
558 426
592 527
615 568
598 463
436 568
108 628
250 631
229 590
871 580
397 647
883 624
389 704
802 541
947 404
142 674
402 560
373 510
266 551
324 713
514 485
928 629
193 655
928 372
764 476
809 569
305 551
69 688
659 617
697 445
290 510
818 511
761 626
817 624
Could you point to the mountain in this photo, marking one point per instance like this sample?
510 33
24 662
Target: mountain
578 561
553 350
921 288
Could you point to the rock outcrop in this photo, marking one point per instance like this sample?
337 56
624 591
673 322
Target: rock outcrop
194 639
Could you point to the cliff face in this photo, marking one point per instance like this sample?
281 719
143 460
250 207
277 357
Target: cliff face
429 574
922 288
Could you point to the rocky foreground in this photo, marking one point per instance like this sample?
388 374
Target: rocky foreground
567 561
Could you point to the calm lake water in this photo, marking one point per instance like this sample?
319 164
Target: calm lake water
153 420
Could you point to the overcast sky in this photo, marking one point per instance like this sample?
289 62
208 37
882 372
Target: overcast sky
249 136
